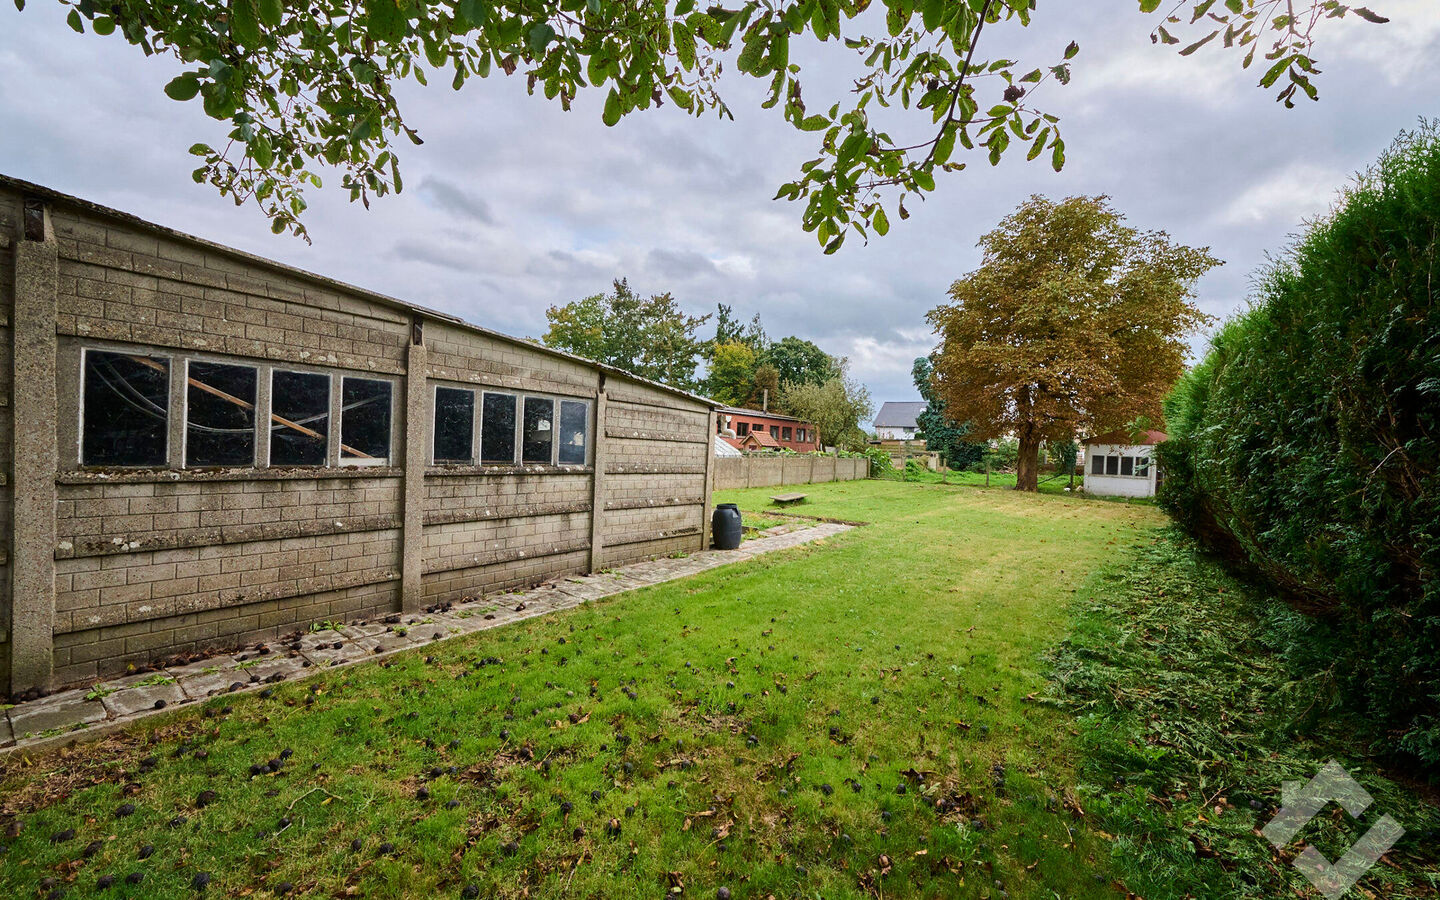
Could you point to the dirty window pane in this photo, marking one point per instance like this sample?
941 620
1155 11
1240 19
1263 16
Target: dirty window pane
497 429
127 410
454 424
574 423
365 420
1112 465
220 415
1127 465
300 418
539 429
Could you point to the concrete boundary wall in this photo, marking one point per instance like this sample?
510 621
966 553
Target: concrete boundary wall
773 471
103 567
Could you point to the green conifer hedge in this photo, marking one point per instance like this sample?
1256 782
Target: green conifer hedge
1306 445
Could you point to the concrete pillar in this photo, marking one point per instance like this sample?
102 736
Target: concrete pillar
597 480
416 457
32 550
709 480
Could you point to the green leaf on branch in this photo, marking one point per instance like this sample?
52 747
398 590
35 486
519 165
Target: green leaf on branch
183 87
244 24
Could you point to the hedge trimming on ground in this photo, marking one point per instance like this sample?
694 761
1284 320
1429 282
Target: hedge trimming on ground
1305 445
1191 719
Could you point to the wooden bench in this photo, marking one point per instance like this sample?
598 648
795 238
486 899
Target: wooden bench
787 499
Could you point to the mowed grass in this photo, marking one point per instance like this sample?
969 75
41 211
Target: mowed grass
850 718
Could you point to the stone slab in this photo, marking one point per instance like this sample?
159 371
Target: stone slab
139 698
40 716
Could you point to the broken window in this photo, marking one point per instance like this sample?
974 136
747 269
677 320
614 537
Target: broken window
539 430
1112 465
365 420
454 425
219 415
1127 465
574 424
497 429
300 418
126 410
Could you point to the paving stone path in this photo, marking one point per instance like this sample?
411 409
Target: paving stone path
83 712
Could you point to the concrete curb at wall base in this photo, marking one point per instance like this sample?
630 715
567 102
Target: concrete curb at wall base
125 701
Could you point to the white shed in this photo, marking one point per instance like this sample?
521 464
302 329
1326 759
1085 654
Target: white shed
1122 464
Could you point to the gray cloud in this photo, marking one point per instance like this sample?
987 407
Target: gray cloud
539 206
457 200
680 265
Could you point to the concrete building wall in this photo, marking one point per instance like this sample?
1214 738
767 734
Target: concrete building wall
10 228
144 563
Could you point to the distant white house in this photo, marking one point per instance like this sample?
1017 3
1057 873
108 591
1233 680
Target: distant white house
1122 464
896 421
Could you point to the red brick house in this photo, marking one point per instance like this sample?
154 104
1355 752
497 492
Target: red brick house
787 432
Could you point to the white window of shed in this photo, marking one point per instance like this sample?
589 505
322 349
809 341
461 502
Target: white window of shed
574 429
539 440
1142 466
1097 465
1112 465
1127 465
365 421
300 418
126 410
454 432
219 414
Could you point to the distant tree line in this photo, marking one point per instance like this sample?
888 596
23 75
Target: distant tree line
738 365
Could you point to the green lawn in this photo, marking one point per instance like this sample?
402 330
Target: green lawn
863 716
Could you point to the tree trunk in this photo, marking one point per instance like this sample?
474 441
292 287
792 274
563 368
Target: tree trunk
1027 466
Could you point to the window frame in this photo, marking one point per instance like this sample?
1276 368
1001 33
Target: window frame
1127 462
337 393
261 433
589 431
516 433
73 356
475 414
170 357
332 405
554 402
1097 464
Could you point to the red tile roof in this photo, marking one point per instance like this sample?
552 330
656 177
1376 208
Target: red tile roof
1127 437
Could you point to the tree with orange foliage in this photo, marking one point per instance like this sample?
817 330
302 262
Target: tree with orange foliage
1074 322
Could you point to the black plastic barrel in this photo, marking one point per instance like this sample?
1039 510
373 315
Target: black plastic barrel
725 524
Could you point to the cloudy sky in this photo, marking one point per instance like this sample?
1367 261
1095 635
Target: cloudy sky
513 205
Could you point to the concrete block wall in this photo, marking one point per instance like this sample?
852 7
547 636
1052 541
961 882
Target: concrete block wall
10 228
148 563
733 473
655 495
